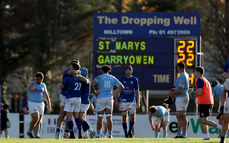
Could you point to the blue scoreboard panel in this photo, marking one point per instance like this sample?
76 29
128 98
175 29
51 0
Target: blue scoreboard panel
151 42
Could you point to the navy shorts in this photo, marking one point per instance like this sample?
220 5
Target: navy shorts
205 110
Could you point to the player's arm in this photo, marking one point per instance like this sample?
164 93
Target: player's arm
198 91
138 98
48 101
82 78
25 110
92 107
61 86
73 72
176 92
32 86
225 75
117 92
93 89
151 123
223 98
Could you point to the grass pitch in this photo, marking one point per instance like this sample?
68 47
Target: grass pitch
114 140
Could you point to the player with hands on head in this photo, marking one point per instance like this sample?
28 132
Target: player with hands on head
37 90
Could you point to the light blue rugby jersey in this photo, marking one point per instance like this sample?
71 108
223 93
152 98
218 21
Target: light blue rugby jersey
106 83
161 112
182 81
85 92
217 91
37 94
131 84
73 86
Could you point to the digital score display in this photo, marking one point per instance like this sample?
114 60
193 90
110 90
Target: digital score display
186 52
152 43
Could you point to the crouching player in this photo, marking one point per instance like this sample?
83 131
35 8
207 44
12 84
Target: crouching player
162 117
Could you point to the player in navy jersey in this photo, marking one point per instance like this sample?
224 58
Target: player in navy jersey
105 83
85 103
162 117
127 99
225 102
73 85
68 72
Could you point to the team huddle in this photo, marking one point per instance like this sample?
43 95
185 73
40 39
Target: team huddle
74 102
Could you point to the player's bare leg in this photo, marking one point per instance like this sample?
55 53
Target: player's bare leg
109 122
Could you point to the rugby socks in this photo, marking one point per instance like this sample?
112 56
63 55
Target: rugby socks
219 134
104 133
131 126
70 126
184 133
78 124
222 139
98 133
85 126
164 134
57 130
66 130
109 133
124 126
157 134
178 133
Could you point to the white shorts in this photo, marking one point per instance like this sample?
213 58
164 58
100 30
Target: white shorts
72 104
164 121
84 107
131 106
36 107
182 103
226 108
103 103
62 100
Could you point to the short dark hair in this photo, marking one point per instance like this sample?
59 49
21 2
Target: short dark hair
5 106
128 67
152 109
199 69
106 68
40 74
76 66
75 61
214 83
181 65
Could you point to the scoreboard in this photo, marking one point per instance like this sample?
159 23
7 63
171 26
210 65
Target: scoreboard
153 43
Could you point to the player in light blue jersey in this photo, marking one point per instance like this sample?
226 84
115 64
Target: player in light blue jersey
127 99
73 99
62 114
225 101
162 117
37 90
182 99
94 110
85 103
105 83
217 90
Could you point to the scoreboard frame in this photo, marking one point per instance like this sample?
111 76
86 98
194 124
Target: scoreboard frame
158 55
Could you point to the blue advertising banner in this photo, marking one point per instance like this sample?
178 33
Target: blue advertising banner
146 41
